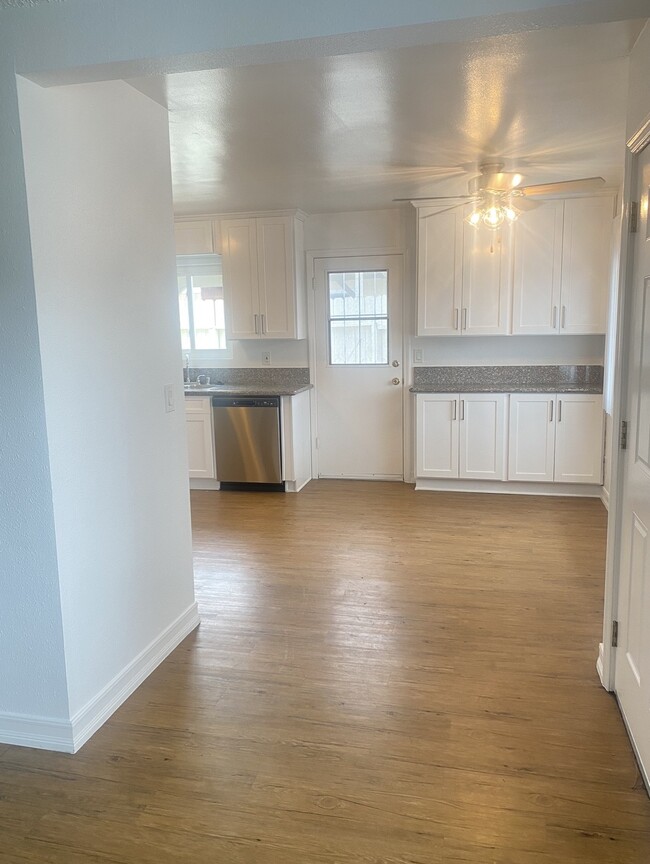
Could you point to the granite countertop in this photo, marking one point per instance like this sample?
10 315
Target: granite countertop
250 382
246 390
507 379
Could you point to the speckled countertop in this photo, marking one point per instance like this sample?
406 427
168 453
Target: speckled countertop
507 379
250 382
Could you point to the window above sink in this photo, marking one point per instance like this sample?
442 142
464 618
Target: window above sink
201 306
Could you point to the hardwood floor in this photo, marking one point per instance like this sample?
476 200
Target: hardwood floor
380 676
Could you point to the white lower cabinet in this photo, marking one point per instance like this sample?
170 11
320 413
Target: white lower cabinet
556 437
200 442
461 435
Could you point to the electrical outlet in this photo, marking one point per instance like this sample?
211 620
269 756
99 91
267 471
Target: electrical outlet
266 358
417 355
169 398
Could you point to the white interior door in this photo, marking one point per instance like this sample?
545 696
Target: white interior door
359 389
632 680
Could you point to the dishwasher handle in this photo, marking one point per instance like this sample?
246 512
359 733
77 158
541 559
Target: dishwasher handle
245 401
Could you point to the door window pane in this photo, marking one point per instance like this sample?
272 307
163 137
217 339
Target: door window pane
358 318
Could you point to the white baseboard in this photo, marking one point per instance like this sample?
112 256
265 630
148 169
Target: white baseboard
204 483
43 733
296 485
600 667
604 497
97 711
512 487
68 736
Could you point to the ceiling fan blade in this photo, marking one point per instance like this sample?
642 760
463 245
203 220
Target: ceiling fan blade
586 184
439 198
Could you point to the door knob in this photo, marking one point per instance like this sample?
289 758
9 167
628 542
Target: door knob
396 381
396 363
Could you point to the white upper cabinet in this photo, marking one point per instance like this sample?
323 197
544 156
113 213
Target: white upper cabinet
538 270
549 273
240 278
440 270
486 280
463 276
263 277
562 267
198 237
586 264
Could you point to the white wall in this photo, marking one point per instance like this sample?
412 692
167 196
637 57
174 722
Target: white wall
32 668
99 195
396 229
248 354
637 107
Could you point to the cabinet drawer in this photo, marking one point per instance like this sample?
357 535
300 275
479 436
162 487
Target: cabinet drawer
197 404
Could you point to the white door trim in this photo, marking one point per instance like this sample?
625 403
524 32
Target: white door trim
311 257
606 660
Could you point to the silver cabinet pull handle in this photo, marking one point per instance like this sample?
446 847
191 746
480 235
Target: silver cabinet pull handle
456 319
263 324
550 419
454 417
559 410
255 317
554 325
462 409
563 318
465 318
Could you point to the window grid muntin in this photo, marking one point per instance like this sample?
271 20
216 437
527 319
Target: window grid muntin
360 317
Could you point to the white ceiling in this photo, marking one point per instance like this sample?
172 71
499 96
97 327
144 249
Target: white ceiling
355 131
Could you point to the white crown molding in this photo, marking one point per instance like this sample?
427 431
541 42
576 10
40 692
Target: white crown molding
641 138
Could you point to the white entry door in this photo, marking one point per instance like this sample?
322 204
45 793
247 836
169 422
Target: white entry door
359 389
632 681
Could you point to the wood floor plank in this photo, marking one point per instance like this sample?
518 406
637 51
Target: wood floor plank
380 677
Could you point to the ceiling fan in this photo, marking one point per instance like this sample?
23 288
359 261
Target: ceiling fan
498 196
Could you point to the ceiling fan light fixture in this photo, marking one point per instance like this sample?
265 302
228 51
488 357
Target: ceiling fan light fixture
493 216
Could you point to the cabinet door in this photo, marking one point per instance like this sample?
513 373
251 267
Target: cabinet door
437 435
531 439
194 238
200 446
240 278
482 436
538 269
579 438
440 262
276 277
486 280
586 264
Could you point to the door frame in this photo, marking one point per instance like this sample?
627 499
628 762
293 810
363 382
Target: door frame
311 257
606 663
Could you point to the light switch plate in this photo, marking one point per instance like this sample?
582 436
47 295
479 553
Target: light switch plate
417 355
169 398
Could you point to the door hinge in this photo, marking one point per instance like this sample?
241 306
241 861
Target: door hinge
634 217
614 634
623 435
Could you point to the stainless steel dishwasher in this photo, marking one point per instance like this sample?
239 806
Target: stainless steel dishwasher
247 440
